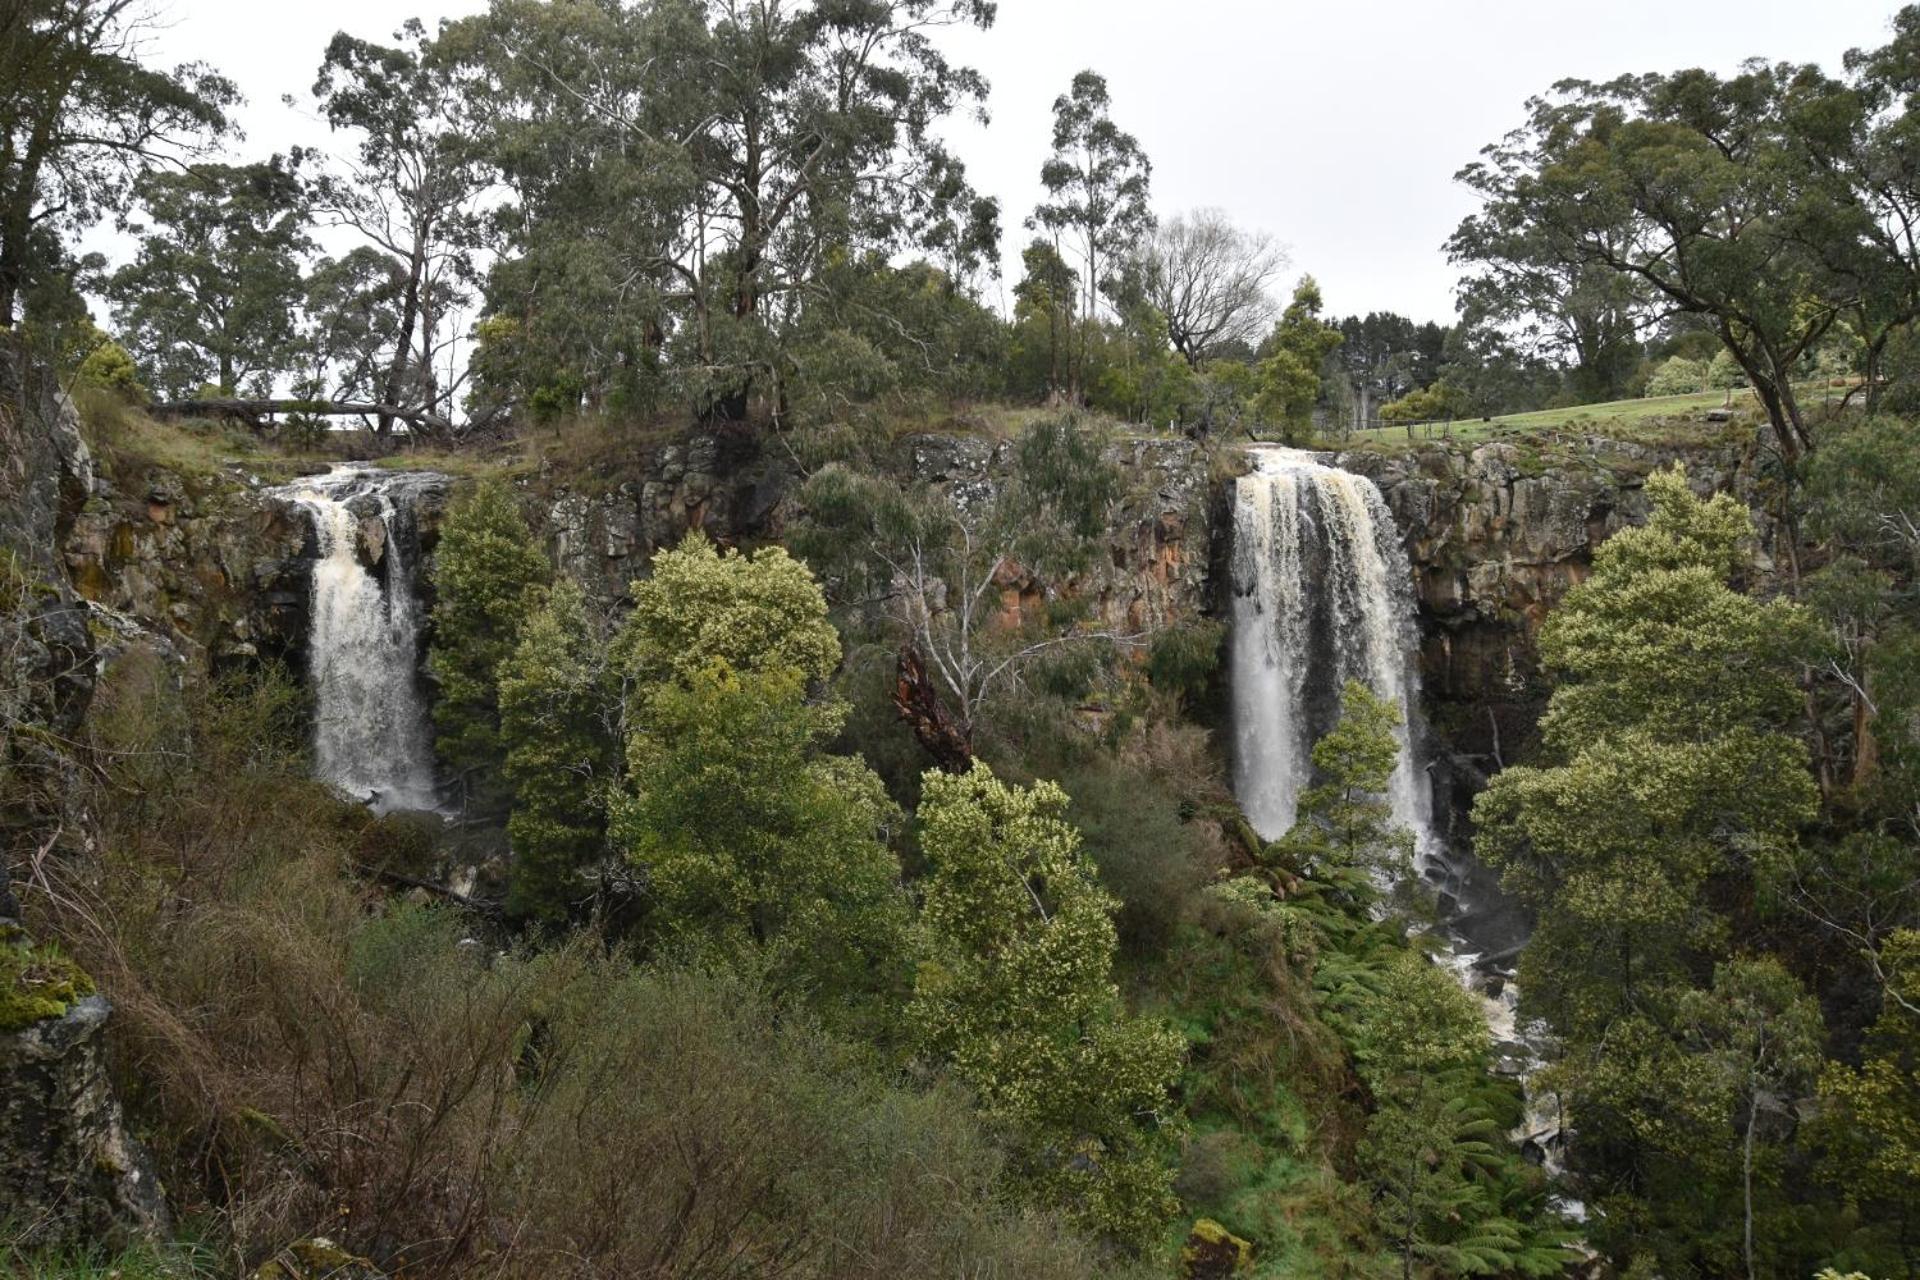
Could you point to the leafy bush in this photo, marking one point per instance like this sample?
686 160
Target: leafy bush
1147 858
301 1054
1677 377
109 366
486 572
1185 658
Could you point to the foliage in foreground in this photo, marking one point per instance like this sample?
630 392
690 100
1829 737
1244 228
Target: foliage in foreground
1014 994
302 1051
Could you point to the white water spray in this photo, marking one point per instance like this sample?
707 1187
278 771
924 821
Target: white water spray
370 728
1321 595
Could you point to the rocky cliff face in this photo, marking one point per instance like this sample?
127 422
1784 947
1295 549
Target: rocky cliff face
69 1171
212 564
1497 534
1156 566
721 481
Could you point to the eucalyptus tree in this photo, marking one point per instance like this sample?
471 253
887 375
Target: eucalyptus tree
1564 308
81 117
1097 181
410 191
1859 209
941 566
214 284
1680 189
684 170
350 328
1049 287
1209 280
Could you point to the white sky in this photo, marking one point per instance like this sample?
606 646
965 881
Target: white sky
1336 127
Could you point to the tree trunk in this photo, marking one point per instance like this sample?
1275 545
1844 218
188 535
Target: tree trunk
1866 755
919 705
1746 1172
403 341
1875 350
255 410
13 272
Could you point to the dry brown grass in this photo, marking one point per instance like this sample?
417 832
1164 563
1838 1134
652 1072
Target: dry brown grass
309 1056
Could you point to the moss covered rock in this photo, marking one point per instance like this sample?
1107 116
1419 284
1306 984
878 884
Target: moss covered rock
68 1167
1214 1253
316 1258
36 982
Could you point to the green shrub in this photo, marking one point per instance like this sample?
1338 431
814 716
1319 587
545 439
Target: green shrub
1147 857
1185 658
109 366
299 1051
486 572
1677 377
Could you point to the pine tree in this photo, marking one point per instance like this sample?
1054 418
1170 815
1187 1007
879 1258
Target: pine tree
556 708
1015 995
485 569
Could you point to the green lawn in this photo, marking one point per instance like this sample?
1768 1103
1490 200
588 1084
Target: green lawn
1632 417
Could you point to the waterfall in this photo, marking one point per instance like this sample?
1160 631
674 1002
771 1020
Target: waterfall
1322 594
370 727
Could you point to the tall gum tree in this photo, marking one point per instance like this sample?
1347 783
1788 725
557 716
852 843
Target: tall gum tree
1097 181
410 192
80 118
1683 186
737 146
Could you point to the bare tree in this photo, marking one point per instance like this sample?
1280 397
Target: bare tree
957 570
1209 279
946 602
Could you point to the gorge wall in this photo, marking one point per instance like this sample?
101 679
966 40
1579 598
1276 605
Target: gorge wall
1496 534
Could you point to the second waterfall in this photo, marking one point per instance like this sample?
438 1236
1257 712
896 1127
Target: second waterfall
371 738
1321 595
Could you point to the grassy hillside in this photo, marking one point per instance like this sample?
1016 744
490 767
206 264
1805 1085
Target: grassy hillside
1651 419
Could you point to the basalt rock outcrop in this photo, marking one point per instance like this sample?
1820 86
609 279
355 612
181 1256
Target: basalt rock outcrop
1156 567
69 1172
1497 534
721 481
212 564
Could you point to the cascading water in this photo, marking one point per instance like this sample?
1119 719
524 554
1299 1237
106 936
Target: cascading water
370 727
1321 595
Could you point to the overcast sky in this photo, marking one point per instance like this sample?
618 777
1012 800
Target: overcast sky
1336 127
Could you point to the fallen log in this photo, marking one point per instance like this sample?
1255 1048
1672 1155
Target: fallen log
253 412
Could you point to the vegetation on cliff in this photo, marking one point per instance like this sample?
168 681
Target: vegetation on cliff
876 905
